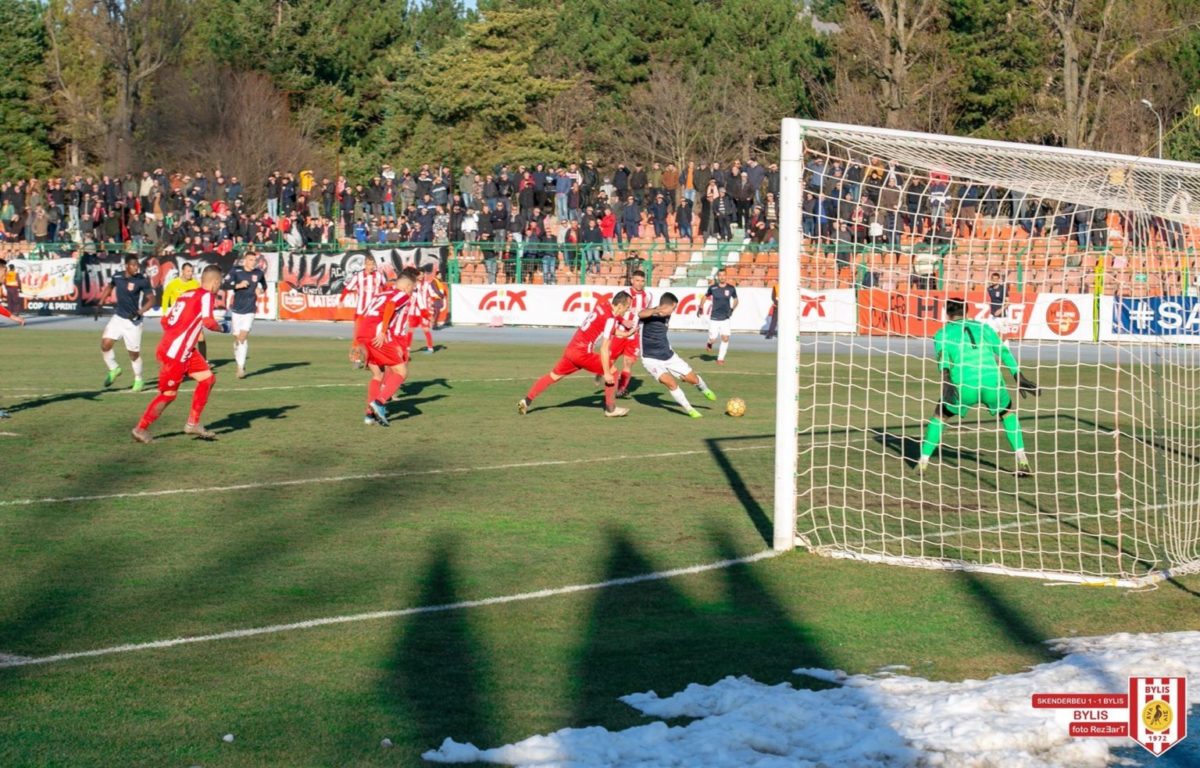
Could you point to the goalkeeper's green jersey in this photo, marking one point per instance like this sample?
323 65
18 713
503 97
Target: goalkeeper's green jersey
969 350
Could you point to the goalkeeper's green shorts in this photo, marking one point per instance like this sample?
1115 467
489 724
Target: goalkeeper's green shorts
994 397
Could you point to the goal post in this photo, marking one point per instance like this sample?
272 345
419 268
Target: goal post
1077 269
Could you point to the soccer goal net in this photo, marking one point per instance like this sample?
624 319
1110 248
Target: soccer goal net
1082 265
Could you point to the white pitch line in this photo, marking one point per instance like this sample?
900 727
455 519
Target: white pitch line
29 392
17 661
370 476
9 434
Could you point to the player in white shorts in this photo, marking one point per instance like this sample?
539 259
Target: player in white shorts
723 300
133 296
660 360
246 282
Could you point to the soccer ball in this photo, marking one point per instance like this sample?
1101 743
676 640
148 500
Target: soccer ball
735 407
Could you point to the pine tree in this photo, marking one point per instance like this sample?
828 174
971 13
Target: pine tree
24 108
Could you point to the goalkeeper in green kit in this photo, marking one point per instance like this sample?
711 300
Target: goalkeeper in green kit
969 355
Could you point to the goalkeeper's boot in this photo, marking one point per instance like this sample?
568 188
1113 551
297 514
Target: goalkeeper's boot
138 385
522 406
1024 469
112 376
923 466
695 414
710 395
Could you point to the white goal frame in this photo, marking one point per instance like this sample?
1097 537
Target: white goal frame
1144 199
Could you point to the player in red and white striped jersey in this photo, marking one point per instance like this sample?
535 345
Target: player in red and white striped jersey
598 326
178 358
627 339
365 285
384 326
429 298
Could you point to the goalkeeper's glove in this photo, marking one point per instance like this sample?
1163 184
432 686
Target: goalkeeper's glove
1027 387
949 393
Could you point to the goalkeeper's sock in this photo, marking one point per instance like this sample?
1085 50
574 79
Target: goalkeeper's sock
1012 430
681 398
933 437
722 350
110 358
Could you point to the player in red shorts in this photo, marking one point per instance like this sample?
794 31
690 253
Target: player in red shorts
365 284
627 341
580 355
383 338
178 358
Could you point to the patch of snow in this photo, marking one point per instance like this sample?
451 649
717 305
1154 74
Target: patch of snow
876 720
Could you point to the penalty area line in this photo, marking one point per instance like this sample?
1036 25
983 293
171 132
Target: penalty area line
373 476
8 661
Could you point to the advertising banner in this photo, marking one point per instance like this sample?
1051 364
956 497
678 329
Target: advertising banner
310 284
566 305
1171 319
1062 317
920 313
67 285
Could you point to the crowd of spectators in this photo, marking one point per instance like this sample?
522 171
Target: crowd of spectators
868 201
576 205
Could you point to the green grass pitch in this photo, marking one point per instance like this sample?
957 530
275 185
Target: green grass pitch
586 506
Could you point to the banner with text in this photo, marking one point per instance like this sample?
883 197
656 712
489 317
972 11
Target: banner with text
566 305
920 313
1170 319
67 285
310 284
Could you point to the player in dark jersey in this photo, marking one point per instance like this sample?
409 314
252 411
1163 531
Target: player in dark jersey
247 282
660 360
722 297
134 295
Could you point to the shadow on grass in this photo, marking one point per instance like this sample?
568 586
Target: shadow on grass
408 407
654 636
274 368
754 510
438 678
239 420
908 447
417 387
65 397
1008 619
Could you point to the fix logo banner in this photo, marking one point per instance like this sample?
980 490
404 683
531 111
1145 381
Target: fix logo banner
1153 712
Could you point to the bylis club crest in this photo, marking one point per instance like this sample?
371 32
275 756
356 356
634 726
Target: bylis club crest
1157 712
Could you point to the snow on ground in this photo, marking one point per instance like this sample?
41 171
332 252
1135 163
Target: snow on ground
884 719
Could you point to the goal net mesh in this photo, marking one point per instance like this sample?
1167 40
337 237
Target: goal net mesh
1084 265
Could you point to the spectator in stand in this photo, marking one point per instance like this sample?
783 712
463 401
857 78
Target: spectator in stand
743 198
756 175
683 219
620 181
670 185
608 228
631 220
592 239
466 187
637 184
658 214
562 188
654 181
